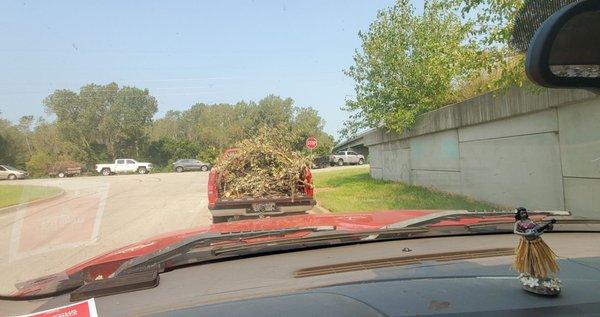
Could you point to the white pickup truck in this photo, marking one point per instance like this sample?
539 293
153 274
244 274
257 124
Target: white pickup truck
346 157
123 166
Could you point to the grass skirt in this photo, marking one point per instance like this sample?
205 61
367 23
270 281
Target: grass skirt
535 258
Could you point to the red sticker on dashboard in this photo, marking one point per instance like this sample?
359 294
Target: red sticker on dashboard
81 309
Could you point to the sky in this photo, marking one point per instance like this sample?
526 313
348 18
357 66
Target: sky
184 52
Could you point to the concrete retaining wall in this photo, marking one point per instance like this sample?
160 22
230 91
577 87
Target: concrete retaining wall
538 150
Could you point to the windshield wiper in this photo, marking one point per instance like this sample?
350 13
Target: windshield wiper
320 240
561 225
201 249
155 259
143 272
313 240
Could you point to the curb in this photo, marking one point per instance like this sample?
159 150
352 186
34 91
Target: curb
32 203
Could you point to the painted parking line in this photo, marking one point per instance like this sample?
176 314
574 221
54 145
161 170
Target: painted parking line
72 221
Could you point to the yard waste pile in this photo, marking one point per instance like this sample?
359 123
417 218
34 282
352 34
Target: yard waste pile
263 166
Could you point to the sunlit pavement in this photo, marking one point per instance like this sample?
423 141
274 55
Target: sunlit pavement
95 215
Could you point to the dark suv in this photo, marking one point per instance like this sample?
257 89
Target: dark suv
190 165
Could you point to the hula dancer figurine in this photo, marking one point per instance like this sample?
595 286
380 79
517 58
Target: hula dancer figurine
534 259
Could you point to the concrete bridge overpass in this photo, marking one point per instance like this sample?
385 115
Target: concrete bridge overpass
356 144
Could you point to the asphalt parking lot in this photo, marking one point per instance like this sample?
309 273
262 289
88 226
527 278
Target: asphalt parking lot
95 215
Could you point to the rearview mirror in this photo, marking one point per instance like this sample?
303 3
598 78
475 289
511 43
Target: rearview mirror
565 50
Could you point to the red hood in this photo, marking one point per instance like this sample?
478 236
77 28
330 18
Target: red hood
105 264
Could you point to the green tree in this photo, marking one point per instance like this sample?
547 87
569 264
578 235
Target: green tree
127 121
25 123
307 123
273 110
45 137
409 64
168 126
38 164
103 121
211 128
166 150
13 148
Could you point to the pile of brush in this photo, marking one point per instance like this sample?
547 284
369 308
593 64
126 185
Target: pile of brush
261 167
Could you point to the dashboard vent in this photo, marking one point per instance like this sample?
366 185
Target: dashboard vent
405 260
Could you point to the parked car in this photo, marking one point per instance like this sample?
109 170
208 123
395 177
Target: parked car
346 157
124 166
64 169
9 172
190 165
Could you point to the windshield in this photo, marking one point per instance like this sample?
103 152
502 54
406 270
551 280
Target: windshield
225 117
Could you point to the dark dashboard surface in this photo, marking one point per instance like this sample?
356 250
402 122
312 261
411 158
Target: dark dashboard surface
268 285
483 293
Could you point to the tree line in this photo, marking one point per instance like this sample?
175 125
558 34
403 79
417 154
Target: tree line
102 122
408 63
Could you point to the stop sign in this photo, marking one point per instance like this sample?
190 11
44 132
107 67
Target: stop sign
311 143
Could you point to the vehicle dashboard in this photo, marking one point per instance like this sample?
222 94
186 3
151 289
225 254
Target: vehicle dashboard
271 286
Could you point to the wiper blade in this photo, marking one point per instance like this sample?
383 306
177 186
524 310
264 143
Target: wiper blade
320 240
314 240
158 258
561 225
438 216
202 249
